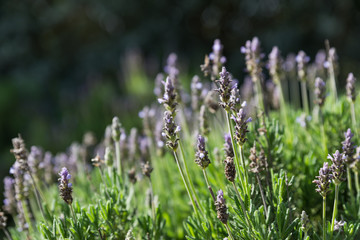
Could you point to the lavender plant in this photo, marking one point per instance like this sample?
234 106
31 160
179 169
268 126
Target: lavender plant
133 187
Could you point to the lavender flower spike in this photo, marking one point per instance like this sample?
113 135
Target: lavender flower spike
169 98
338 167
241 120
201 155
323 180
320 89
350 87
221 207
65 186
224 89
170 131
348 147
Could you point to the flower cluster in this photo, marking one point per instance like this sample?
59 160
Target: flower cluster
348 147
224 90
221 207
320 89
20 152
213 62
302 59
337 167
201 155
170 131
65 186
241 124
274 64
323 180
350 87
169 98
253 58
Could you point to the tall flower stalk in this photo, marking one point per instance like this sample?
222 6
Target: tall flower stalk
338 172
323 182
115 127
320 94
170 133
351 95
202 159
348 148
253 58
302 59
222 213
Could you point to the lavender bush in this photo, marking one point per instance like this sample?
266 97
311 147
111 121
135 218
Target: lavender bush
170 179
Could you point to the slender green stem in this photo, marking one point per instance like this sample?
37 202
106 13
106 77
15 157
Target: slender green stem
335 209
357 185
153 204
7 234
304 96
185 183
349 181
72 211
37 196
229 232
118 160
26 215
237 163
333 81
208 185
244 169
283 111
258 90
324 218
323 135
262 194
187 175
353 118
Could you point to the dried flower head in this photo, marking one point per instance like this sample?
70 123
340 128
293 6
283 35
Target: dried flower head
323 180
320 89
65 186
115 129
229 152
337 167
20 152
132 175
350 87
230 171
348 147
170 131
241 121
147 169
221 207
97 161
201 155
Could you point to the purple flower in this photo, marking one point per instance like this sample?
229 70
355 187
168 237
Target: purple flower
65 186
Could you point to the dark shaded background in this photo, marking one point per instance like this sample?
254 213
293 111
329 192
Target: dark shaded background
69 66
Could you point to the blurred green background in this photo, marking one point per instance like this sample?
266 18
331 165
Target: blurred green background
69 66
